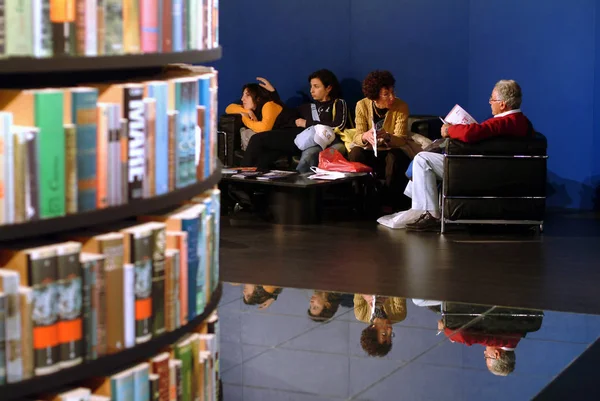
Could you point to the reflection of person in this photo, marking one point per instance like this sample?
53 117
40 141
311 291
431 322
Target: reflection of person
262 295
380 313
499 352
323 305
428 167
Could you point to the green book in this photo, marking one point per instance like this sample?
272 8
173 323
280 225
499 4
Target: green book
183 352
48 116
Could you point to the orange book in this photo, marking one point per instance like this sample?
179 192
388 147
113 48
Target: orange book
62 10
102 133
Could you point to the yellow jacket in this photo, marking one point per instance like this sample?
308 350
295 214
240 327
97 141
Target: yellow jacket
394 307
395 123
270 111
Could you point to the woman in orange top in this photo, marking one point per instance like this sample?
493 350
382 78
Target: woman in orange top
259 111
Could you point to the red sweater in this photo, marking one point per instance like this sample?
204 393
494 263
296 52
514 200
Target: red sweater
470 338
515 124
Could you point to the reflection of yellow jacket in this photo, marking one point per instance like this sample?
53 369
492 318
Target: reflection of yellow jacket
394 307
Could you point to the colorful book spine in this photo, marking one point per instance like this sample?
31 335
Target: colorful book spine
7 182
122 386
159 91
102 152
113 27
181 94
134 112
70 168
191 102
51 152
205 99
177 25
26 303
141 390
131 26
9 286
69 287
149 11
166 27
83 106
216 212
32 174
173 117
92 271
150 147
191 226
86 23
19 27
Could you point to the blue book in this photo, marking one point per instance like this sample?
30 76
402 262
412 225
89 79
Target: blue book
202 285
215 206
83 111
141 386
205 99
192 126
181 94
122 387
159 91
178 25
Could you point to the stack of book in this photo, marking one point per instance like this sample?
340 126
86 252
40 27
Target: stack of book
47 28
188 371
100 292
72 150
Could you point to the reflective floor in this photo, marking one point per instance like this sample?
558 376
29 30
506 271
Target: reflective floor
306 345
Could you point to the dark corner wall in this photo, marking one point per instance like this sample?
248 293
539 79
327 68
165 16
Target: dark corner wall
441 52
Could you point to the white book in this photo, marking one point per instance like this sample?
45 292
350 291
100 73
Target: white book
9 285
7 177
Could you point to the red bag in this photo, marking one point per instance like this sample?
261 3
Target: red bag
332 160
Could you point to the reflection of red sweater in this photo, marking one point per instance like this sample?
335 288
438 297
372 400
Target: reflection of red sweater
470 338
510 125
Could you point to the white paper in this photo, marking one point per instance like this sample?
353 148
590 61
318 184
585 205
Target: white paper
458 115
374 138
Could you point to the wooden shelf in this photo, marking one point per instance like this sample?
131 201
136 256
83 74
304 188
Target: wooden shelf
106 365
31 65
140 207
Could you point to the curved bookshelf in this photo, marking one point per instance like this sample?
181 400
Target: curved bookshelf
31 65
140 207
106 365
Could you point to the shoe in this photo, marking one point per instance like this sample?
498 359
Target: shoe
425 223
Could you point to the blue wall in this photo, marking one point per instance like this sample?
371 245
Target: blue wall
442 53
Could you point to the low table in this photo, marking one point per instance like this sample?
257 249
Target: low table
295 199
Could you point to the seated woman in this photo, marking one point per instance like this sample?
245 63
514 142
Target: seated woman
260 111
396 146
327 109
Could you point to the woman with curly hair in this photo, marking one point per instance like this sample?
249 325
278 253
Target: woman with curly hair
396 146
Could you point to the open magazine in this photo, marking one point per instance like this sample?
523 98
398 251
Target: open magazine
458 115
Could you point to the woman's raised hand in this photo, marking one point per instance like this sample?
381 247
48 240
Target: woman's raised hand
265 84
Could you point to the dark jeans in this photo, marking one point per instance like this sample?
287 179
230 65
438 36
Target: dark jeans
265 148
389 165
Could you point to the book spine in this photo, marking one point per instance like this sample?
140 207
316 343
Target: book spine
51 153
19 28
19 172
114 155
158 280
43 276
89 310
134 112
32 177
5 167
12 324
166 31
149 25
184 354
191 226
173 116
86 23
3 309
101 27
216 211
113 27
71 168
192 131
202 281
169 292
182 133
46 50
158 91
85 116
129 305
200 154
26 303
102 155
2 28
177 25
215 24
131 26
149 148
63 19
124 152
69 285
205 100
142 259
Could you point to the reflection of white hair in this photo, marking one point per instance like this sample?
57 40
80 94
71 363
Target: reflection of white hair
504 365
510 92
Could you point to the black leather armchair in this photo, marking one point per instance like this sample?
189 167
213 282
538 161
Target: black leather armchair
496 181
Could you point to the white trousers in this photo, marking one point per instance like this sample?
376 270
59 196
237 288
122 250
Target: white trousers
428 169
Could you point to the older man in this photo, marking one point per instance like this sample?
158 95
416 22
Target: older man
428 167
